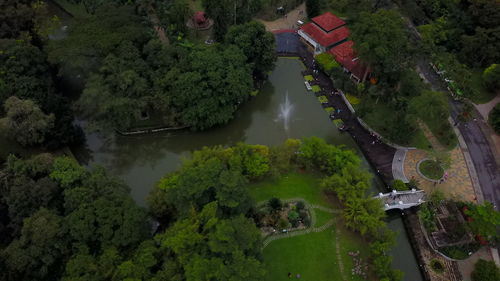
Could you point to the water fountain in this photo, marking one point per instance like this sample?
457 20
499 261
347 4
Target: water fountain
285 111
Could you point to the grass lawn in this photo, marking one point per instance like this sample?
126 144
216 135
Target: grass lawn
293 185
322 217
420 141
431 169
483 95
350 242
311 255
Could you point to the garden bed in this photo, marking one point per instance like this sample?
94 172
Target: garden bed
430 169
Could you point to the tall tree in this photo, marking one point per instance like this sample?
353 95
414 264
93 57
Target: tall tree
210 90
257 44
39 252
313 8
92 38
485 220
485 271
25 122
383 41
16 17
228 12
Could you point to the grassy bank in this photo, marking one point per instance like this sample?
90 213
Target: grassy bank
321 256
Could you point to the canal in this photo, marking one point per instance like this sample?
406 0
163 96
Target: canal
142 160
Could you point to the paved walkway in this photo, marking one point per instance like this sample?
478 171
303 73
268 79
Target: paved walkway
398 165
458 185
467 266
288 22
485 108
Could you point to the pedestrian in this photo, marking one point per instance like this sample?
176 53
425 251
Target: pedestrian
373 142
289 275
298 276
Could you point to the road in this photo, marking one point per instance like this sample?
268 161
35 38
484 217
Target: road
477 144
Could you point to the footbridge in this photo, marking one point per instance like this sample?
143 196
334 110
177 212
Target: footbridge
401 199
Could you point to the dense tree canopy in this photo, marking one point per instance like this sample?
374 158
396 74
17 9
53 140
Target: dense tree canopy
229 12
57 209
485 220
92 38
383 41
215 82
25 122
25 73
256 43
16 17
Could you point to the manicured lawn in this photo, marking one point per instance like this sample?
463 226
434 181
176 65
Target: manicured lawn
313 256
431 169
419 141
322 217
350 242
293 185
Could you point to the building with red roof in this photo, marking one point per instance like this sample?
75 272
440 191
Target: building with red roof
329 33
345 55
324 32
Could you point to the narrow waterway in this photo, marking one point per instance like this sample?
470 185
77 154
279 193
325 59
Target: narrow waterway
142 160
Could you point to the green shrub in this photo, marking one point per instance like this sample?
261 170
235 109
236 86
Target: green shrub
329 109
293 218
437 266
322 99
300 205
282 224
327 62
485 271
309 78
494 119
275 203
491 77
316 88
399 185
352 99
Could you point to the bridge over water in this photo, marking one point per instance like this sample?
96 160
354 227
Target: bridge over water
402 199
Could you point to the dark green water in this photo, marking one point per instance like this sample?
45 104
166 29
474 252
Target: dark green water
142 160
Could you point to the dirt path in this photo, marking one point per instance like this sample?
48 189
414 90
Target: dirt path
289 21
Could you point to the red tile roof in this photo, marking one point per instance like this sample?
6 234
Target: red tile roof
328 21
346 56
323 38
